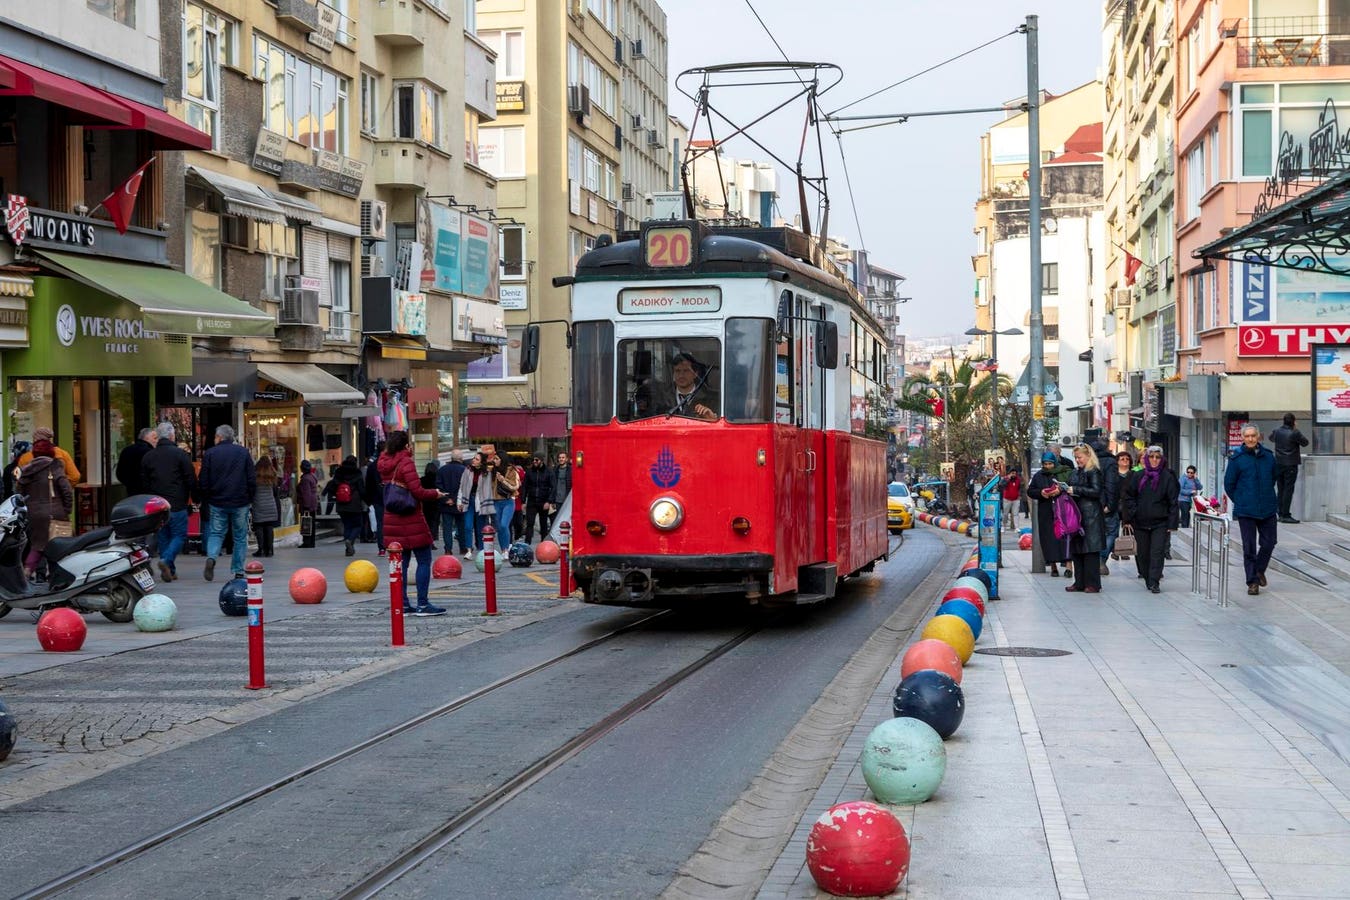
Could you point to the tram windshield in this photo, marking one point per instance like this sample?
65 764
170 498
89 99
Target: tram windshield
700 378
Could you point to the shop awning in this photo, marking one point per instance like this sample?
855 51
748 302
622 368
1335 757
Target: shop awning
296 208
310 382
241 198
19 79
517 423
15 286
170 301
166 132
395 347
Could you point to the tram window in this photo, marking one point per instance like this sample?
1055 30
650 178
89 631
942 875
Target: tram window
670 376
749 370
593 372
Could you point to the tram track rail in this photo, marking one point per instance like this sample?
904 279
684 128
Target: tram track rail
454 827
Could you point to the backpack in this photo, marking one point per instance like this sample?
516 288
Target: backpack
344 492
1068 521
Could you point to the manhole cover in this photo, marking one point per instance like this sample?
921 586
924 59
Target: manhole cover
1023 651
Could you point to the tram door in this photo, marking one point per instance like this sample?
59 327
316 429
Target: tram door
813 395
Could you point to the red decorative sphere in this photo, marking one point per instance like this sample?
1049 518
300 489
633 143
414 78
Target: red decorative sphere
857 849
446 567
931 653
965 593
547 552
308 586
1024 542
61 630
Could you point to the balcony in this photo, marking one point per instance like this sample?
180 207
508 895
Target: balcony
400 23
402 164
1287 41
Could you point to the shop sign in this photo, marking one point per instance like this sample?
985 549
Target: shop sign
424 403
269 153
41 227
513 296
216 381
1331 385
410 313
339 174
647 301
1236 422
1288 340
510 96
325 32
1255 292
477 322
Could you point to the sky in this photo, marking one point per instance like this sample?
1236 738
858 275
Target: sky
915 185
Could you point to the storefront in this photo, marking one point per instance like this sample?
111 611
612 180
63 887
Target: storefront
298 412
210 396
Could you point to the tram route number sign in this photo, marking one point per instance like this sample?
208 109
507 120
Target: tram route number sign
646 301
668 247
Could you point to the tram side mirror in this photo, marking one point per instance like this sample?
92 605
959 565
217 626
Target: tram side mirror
827 345
529 349
783 325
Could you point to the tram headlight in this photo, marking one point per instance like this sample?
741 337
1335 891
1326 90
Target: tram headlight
667 513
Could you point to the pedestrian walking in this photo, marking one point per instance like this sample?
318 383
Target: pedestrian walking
1190 487
1113 485
375 495
1085 489
1287 440
266 505
562 484
1012 494
228 482
453 529
503 476
1149 506
46 434
167 471
307 494
1044 487
349 501
50 499
1249 482
404 522
477 500
128 469
12 470
432 508
538 490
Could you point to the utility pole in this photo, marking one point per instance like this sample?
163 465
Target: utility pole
1037 361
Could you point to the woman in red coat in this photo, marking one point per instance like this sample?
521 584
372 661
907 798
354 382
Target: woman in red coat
396 466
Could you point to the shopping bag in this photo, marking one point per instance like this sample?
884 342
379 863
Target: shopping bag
1125 542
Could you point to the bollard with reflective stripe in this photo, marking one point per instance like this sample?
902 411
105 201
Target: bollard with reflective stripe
489 570
254 574
564 572
395 551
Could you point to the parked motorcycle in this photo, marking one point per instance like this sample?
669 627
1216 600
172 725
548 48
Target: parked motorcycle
104 570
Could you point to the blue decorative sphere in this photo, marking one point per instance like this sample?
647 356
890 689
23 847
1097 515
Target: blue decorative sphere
933 697
155 612
234 597
978 574
903 761
964 609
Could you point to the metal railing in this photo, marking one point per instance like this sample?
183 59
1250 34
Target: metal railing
1209 556
1289 41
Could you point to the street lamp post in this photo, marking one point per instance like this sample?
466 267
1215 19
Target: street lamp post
993 334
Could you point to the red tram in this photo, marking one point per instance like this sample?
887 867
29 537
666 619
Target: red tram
719 395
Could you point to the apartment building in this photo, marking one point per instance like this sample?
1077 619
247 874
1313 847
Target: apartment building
646 164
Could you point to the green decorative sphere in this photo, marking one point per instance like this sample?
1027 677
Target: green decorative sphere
480 560
903 761
155 612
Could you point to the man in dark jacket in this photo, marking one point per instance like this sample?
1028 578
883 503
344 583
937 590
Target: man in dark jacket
167 471
538 495
228 483
452 520
562 482
375 494
1249 482
129 461
1287 439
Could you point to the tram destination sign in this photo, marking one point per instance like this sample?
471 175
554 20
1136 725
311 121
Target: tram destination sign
648 301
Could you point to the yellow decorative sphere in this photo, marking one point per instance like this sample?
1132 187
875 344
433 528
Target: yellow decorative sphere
361 577
953 631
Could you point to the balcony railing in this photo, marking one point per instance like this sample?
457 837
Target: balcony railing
1286 41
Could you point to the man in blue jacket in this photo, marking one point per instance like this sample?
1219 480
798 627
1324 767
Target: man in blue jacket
1249 482
227 482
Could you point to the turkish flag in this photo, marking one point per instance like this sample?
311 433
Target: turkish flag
121 203
1132 264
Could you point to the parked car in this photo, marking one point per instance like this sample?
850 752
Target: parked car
899 507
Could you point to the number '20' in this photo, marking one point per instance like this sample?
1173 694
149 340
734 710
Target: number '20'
672 250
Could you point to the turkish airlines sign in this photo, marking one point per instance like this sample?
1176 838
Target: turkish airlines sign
1288 340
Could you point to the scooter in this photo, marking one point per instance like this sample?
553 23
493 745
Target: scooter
103 570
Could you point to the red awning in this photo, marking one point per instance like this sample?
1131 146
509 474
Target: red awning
517 423
169 133
88 104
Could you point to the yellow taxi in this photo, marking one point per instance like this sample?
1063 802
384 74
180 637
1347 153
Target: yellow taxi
899 507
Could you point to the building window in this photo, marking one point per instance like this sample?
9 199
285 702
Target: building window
591 170
304 101
207 42
501 151
1265 111
417 112
1199 304
123 12
504 365
1050 278
1196 172
577 245
574 158
510 47
280 246
470 16
203 247
471 136
512 252
607 11
340 315
370 104
608 190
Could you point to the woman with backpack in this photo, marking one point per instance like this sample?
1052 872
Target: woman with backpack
1044 487
1085 492
1149 505
349 501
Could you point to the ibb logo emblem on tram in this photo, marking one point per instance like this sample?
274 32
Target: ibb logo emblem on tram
665 471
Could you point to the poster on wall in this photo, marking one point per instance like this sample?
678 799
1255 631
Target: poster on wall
478 258
1331 384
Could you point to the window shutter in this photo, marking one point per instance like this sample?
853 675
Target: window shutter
339 247
314 261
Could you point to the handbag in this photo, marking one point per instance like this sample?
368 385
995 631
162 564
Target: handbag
1125 542
57 527
399 500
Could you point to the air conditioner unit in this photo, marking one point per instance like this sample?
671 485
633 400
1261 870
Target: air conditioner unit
628 190
374 215
578 100
637 121
372 265
637 49
653 139
299 307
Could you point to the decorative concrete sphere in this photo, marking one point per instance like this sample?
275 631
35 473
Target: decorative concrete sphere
308 586
1024 542
967 611
952 630
1024 530
965 592
931 654
234 597
857 849
547 552
155 612
9 731
973 570
61 630
903 761
361 576
480 560
977 585
933 697
446 566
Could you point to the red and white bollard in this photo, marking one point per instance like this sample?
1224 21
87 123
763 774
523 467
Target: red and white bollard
564 571
489 570
254 573
395 551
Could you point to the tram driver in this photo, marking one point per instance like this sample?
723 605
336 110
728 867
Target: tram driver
692 392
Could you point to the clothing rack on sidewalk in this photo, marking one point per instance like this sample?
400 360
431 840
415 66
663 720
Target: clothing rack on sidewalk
1209 556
